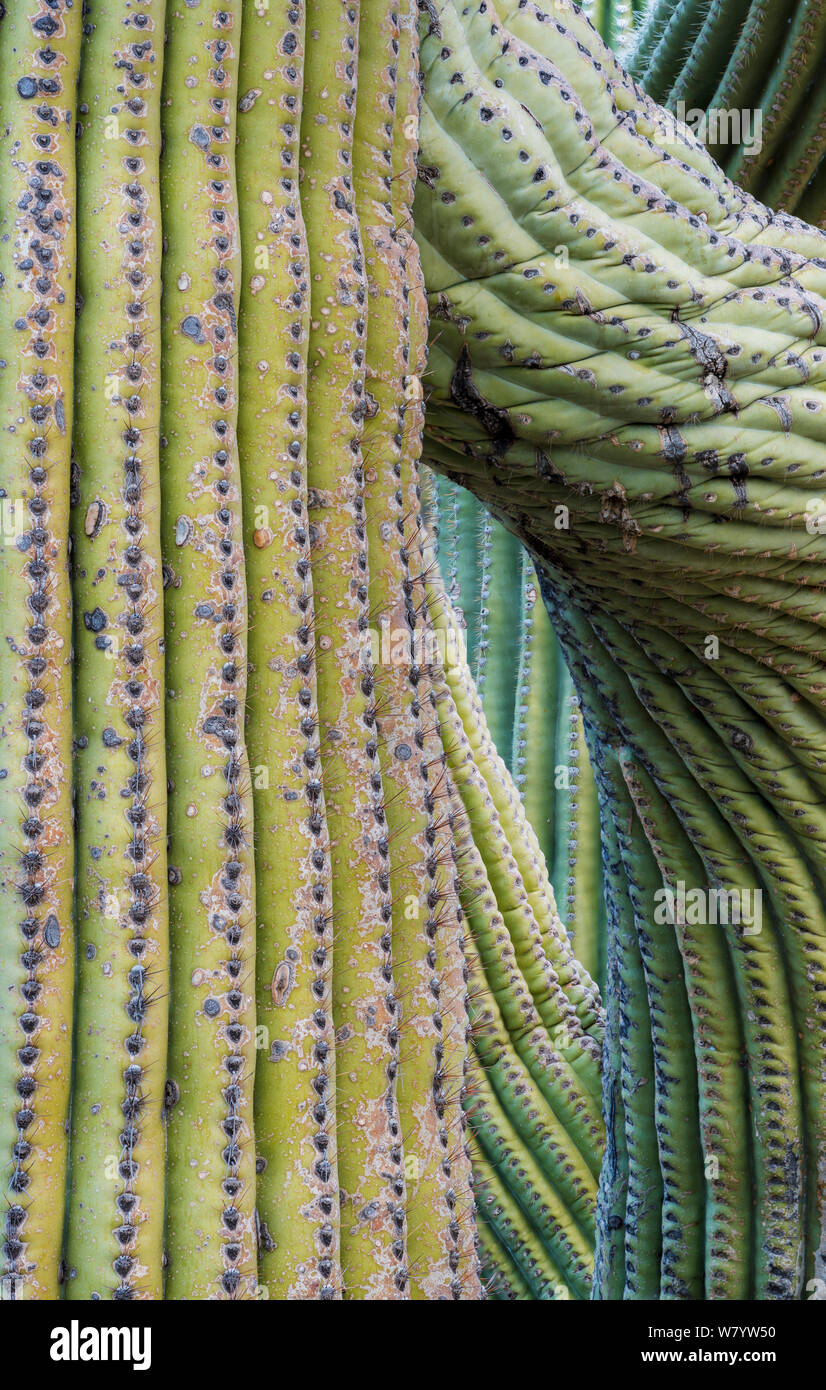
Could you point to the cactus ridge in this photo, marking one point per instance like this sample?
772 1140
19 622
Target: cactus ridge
115 1236
39 57
295 1093
410 809
210 1238
373 1220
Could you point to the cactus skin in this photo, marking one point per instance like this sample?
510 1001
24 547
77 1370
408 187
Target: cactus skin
116 1202
210 1228
38 76
295 1095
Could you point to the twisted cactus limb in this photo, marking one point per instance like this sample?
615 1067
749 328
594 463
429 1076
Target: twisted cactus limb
662 380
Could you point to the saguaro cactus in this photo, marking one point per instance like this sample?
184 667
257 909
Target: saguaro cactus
378 1028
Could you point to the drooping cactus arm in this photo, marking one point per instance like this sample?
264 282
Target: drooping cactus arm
116 1203
38 80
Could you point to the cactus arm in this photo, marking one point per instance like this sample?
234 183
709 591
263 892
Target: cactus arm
367 1122
551 1051
295 1077
530 1116
709 969
116 1201
717 1040
714 40
785 90
38 76
643 1208
210 1231
757 969
674 1077
482 377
